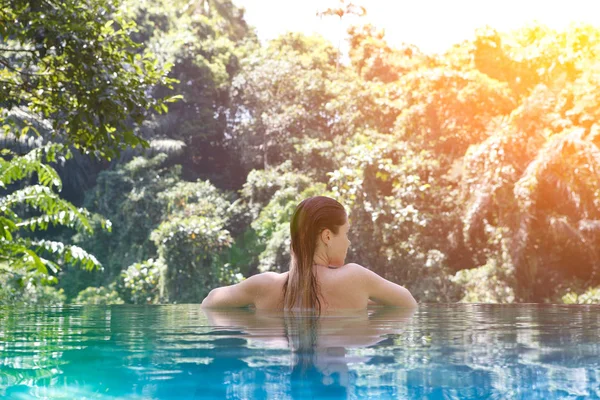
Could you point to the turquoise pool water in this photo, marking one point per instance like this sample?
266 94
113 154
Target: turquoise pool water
441 351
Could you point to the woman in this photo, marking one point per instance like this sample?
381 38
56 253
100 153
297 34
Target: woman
317 278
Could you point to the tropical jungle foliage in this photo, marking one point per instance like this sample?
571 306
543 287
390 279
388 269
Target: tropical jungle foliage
471 175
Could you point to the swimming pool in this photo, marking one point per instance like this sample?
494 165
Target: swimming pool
439 351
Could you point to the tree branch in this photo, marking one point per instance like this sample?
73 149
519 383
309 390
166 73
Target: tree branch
7 65
17 50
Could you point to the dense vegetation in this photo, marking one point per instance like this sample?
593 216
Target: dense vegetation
474 174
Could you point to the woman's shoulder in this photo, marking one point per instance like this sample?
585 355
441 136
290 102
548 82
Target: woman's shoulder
355 273
267 277
270 280
271 276
356 268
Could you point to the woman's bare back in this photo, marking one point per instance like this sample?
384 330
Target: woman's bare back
341 288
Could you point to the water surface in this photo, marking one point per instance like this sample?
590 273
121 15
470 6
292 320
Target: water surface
439 351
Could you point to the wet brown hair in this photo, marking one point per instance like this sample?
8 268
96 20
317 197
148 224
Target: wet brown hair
310 218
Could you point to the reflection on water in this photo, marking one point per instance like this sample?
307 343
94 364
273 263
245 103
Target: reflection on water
316 360
181 351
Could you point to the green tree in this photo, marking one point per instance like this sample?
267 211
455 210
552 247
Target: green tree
73 65
26 207
128 194
204 41
279 97
98 295
139 283
193 242
531 188
346 8
375 60
446 110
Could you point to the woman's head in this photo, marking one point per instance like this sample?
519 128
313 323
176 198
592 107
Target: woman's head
318 232
319 229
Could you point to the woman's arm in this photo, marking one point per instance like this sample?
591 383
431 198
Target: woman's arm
385 292
239 295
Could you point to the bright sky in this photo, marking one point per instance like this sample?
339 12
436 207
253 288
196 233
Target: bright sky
432 25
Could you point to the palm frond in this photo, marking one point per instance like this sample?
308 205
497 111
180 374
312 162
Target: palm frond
551 158
26 255
487 171
474 215
22 167
170 147
21 144
56 210
21 117
564 231
566 191
521 239
77 172
167 146
71 254
20 255
557 154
